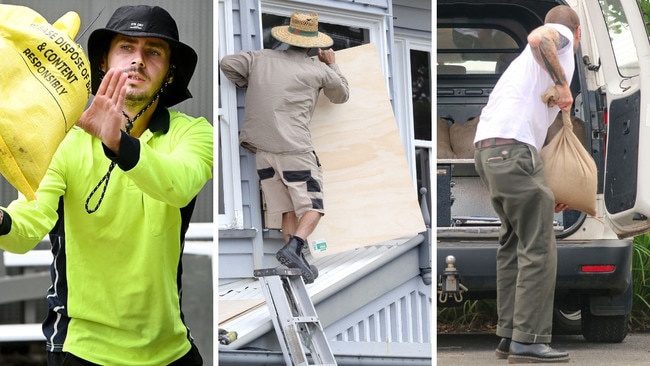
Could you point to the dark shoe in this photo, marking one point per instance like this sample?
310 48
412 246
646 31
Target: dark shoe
535 353
314 270
291 256
503 349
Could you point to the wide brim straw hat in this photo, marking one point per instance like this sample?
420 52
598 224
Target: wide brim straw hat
302 31
145 21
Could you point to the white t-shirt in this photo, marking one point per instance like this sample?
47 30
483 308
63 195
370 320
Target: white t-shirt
515 109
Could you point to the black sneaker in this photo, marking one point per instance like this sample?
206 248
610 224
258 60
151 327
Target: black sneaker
291 256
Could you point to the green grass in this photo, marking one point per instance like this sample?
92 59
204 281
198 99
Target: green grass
640 317
473 315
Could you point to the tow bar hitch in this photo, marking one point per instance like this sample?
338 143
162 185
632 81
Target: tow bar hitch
449 284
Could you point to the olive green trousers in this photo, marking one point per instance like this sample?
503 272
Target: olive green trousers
527 255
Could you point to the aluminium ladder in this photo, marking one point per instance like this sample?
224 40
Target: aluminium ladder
294 317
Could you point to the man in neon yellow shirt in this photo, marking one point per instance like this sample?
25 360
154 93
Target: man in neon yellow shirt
117 200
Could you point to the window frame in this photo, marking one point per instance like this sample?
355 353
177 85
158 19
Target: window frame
404 43
373 22
232 218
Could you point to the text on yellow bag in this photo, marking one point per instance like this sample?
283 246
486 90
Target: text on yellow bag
44 85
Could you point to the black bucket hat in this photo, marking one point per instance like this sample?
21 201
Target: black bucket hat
146 21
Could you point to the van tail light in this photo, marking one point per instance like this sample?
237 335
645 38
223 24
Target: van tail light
598 268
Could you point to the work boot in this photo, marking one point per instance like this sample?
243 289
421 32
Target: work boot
291 256
503 348
535 353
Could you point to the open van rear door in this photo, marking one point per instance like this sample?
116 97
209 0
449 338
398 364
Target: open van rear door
616 28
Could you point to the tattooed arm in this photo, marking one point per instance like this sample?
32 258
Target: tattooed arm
545 42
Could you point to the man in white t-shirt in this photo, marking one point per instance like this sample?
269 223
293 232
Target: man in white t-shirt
508 140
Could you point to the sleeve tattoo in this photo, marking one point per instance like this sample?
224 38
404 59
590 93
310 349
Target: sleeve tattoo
548 51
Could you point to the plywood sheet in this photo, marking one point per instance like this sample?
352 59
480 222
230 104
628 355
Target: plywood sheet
369 194
229 309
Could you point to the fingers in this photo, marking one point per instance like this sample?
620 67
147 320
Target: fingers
105 81
327 56
566 104
103 118
119 93
112 84
559 207
565 98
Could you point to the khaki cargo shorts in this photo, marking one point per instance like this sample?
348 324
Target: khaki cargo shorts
290 182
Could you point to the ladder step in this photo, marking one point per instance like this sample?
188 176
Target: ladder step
294 317
264 272
305 319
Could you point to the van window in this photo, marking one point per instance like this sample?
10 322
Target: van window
463 51
620 35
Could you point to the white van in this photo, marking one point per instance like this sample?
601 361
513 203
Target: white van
476 40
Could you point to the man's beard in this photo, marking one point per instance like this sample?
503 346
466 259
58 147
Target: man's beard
138 98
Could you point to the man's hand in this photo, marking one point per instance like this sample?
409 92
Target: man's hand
327 56
565 100
559 95
104 118
559 207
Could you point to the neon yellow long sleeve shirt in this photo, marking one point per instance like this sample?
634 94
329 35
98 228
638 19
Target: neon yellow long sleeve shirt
115 295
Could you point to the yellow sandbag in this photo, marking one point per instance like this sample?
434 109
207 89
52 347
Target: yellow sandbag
45 85
569 169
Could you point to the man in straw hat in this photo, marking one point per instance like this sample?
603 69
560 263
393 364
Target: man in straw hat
117 198
282 91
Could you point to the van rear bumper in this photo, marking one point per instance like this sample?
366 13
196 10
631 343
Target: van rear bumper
476 265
